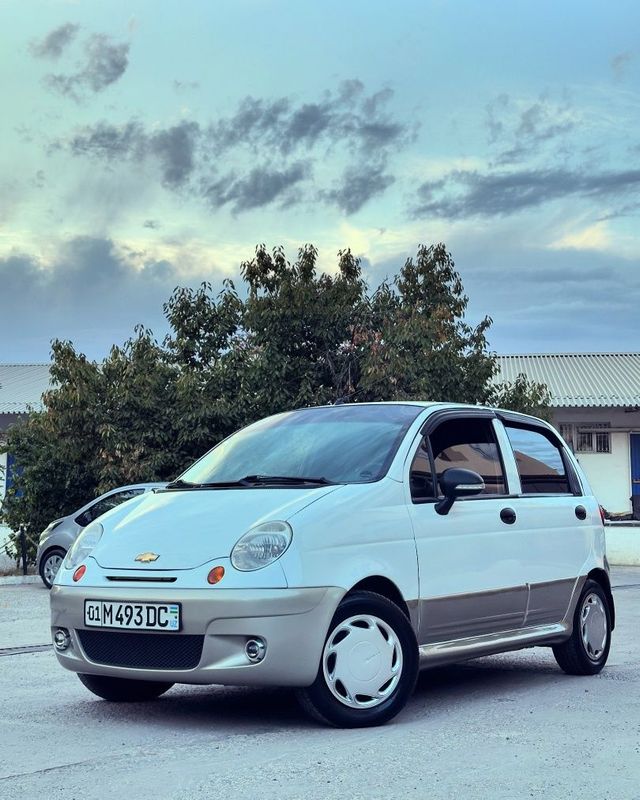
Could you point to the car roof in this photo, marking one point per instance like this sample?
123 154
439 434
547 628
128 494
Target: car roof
420 404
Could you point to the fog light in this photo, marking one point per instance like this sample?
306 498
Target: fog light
61 639
256 650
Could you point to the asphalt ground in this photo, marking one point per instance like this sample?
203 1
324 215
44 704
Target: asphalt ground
511 726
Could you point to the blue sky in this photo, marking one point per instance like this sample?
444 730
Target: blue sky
148 145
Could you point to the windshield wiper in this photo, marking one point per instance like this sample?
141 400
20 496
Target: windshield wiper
252 480
293 480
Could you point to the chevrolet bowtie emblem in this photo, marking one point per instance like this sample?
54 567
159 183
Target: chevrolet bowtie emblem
145 558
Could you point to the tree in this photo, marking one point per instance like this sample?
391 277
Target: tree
293 337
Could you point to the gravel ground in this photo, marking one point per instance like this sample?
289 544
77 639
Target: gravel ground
509 727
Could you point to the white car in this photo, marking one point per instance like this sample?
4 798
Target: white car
59 535
339 550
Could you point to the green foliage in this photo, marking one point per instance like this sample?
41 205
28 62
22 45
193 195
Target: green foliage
295 337
523 395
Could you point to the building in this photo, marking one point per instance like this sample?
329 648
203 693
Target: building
595 404
21 388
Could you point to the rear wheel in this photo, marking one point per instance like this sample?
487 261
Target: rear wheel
586 652
123 690
50 565
368 667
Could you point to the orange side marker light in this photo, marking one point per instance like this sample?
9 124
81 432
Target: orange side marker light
216 575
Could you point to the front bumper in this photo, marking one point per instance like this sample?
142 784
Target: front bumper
292 622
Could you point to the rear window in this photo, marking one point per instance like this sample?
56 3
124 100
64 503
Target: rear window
540 463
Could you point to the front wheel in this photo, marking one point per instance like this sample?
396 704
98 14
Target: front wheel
50 565
586 652
123 690
369 664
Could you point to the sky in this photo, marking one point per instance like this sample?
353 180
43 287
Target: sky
147 145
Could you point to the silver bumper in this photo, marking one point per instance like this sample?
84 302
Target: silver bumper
292 622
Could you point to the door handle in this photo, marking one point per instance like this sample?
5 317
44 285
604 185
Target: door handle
581 512
508 516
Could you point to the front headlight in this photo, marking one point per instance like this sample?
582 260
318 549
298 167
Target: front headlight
83 545
261 546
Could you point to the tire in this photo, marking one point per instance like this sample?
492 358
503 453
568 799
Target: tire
50 563
382 661
586 652
123 690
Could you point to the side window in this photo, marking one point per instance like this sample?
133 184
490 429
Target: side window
470 444
420 475
467 443
540 463
106 504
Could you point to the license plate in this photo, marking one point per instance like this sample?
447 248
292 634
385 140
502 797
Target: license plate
137 616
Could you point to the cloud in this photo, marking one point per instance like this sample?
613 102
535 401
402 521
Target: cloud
260 187
174 148
593 237
107 141
347 116
55 43
185 86
619 64
105 62
545 300
461 194
521 130
92 291
286 139
358 185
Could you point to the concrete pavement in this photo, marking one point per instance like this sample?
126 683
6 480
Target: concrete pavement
506 727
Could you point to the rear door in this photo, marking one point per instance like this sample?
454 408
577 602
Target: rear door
555 522
470 560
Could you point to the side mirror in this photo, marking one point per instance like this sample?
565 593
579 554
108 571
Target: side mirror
457 483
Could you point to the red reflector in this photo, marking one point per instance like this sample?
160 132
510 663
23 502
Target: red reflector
79 572
216 575
602 516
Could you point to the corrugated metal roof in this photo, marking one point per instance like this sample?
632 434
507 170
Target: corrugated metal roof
21 387
580 379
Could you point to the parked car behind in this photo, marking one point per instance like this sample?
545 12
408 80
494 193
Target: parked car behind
338 550
59 535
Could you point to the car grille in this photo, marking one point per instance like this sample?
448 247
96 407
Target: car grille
142 650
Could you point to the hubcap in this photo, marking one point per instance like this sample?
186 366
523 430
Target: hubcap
593 626
51 567
362 661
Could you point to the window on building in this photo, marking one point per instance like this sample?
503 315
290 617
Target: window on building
539 461
566 431
587 437
593 438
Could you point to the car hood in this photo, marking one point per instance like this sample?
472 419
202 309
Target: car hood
187 528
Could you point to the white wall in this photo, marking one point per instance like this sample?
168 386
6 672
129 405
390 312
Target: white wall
609 473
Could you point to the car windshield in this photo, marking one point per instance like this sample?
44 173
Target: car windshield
335 444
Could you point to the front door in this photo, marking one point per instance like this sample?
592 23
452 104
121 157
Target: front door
470 560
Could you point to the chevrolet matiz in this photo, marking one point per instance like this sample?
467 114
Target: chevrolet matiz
339 550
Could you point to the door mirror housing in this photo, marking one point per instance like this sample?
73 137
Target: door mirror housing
457 483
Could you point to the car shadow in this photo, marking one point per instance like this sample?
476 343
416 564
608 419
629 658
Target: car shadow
253 710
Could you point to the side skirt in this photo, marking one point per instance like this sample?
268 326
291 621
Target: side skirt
492 643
